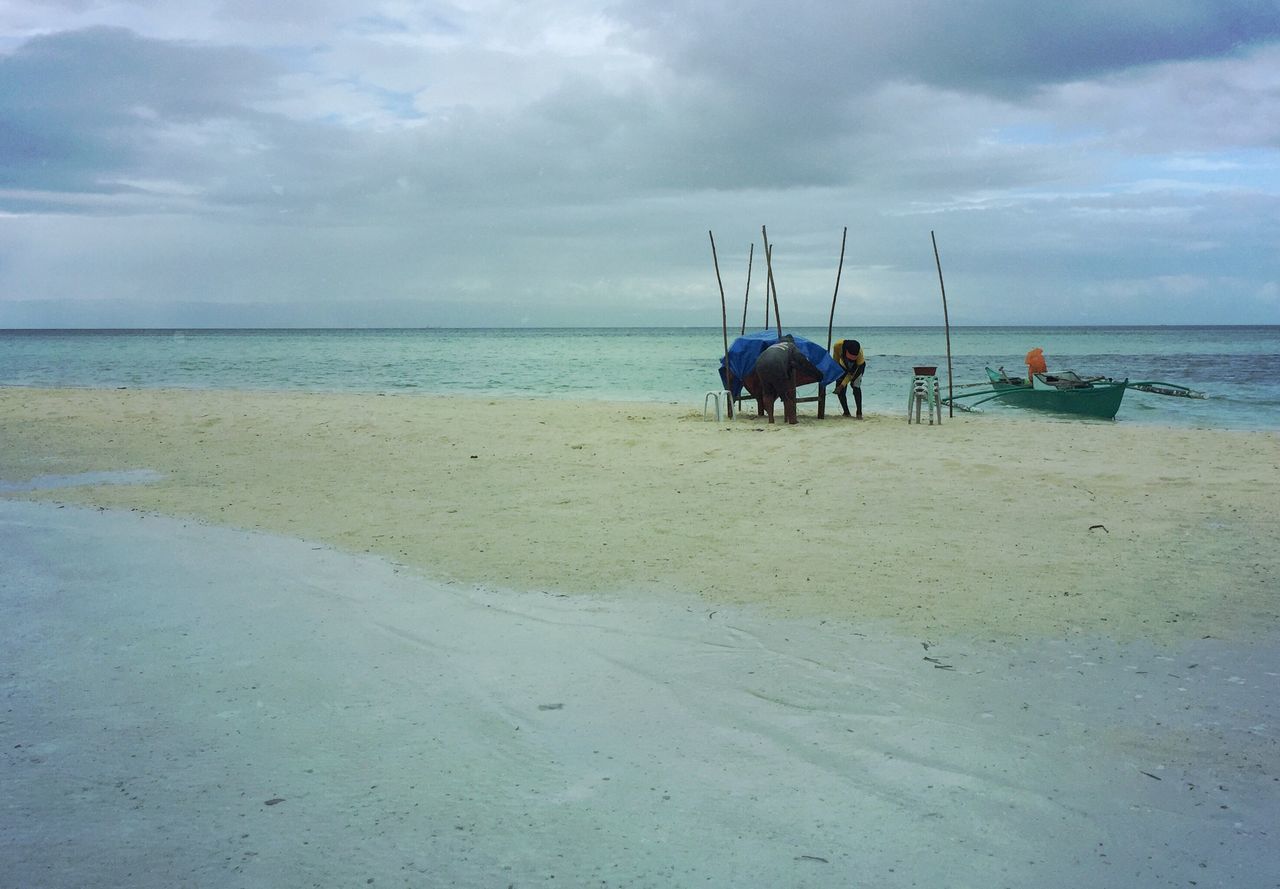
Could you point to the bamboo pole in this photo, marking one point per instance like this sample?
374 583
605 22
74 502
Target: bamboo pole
832 320
747 296
768 258
767 291
724 326
951 391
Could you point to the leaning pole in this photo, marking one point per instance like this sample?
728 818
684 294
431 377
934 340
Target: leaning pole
724 325
946 322
768 259
831 321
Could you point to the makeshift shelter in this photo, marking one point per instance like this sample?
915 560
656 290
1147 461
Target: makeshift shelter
746 349
738 364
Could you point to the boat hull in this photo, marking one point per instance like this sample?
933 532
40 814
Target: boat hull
1099 400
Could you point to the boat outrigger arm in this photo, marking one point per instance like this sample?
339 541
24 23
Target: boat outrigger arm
991 394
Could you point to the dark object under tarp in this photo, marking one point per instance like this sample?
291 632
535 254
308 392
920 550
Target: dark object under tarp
747 348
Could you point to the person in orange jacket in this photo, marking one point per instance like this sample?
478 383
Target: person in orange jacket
1035 364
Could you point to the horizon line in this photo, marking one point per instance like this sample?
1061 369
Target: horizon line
312 328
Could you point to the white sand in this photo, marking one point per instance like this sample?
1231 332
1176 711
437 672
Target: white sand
642 691
984 525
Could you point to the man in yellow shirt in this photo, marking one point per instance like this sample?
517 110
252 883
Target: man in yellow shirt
848 354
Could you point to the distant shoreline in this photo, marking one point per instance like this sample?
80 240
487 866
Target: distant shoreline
693 327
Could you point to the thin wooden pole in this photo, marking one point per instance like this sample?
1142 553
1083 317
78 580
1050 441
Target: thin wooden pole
832 320
724 325
768 251
768 258
747 295
951 392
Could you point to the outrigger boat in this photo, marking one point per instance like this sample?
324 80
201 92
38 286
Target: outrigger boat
1065 392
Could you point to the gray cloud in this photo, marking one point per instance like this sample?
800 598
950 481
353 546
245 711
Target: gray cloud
81 106
461 164
1003 47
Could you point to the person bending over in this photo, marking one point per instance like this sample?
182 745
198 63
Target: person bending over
848 354
776 369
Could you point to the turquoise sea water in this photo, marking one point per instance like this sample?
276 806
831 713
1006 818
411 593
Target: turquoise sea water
1237 367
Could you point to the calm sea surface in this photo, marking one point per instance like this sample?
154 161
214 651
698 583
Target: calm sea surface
1237 367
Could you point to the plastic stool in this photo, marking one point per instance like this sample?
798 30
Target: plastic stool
924 391
728 403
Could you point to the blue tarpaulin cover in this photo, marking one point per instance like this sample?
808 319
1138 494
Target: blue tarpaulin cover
744 351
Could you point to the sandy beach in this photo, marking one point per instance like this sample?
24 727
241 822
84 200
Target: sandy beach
330 640
985 525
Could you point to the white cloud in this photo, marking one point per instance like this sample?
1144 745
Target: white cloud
562 160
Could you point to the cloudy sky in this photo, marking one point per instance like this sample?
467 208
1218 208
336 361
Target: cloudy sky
561 162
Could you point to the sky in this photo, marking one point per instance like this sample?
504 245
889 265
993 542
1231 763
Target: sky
238 163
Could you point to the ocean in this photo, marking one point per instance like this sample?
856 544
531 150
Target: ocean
1238 368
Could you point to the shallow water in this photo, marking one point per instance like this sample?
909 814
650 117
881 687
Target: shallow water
105 477
1237 367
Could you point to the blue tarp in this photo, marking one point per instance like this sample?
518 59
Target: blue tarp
744 351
